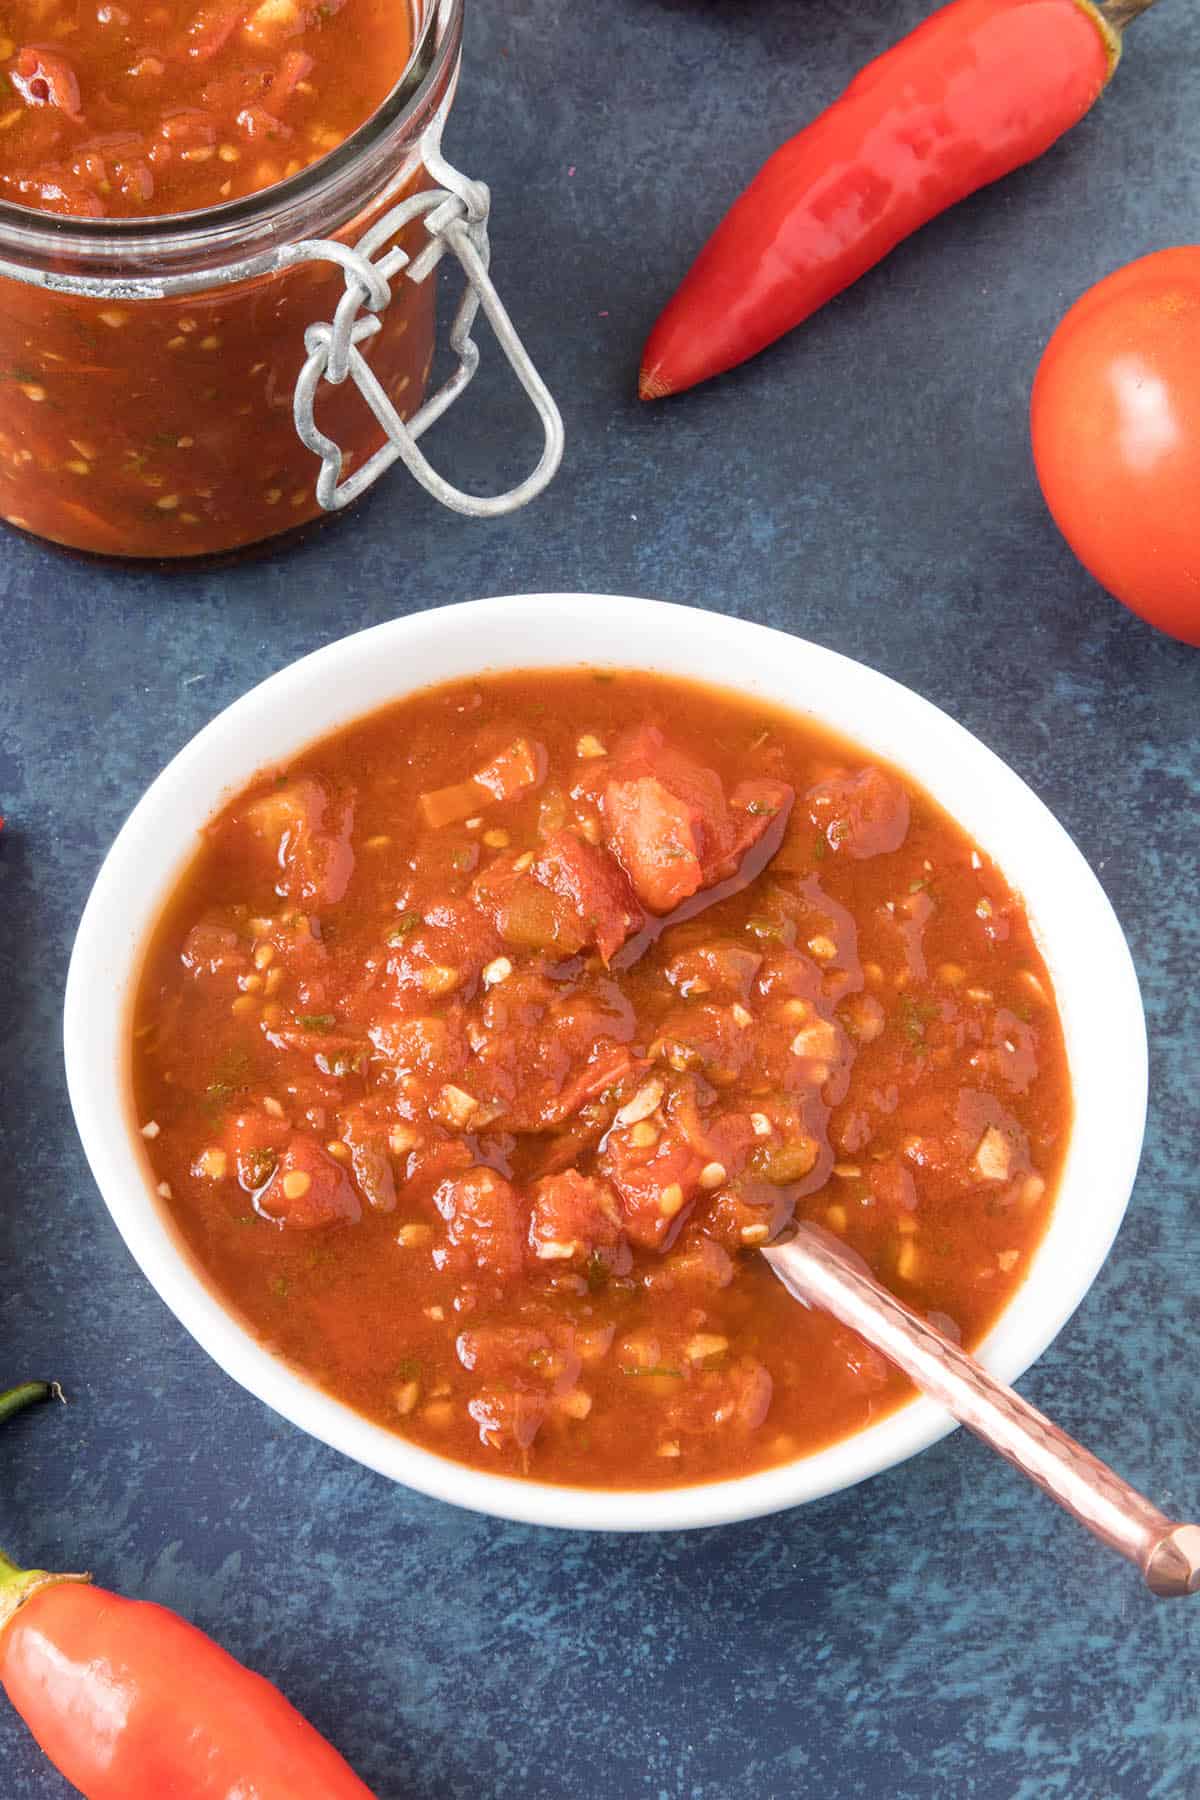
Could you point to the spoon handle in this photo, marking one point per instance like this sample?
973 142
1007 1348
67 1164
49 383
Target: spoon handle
817 1268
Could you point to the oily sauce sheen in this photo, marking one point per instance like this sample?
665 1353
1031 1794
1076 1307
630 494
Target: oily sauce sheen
479 1049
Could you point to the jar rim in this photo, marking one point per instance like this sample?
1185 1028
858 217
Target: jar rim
38 238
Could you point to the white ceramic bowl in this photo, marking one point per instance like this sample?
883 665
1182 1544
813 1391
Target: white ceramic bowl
1078 933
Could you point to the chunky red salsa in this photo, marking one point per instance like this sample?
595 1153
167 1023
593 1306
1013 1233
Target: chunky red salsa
123 111
479 1049
148 426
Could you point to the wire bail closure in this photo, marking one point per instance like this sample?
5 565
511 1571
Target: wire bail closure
455 214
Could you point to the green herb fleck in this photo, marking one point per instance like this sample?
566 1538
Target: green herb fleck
461 859
820 850
407 921
231 1073
917 887
759 808
408 1369
279 1287
597 1273
603 675
654 1369
914 1016
317 1021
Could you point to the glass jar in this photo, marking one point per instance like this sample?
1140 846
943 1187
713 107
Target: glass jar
168 382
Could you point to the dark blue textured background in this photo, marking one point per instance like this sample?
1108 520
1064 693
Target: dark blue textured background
942 1630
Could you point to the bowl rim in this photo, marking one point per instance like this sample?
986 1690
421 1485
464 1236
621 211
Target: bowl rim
1067 907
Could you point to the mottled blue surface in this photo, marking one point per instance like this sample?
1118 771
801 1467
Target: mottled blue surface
942 1631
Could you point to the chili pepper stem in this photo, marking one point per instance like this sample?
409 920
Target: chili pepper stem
1120 14
29 1393
19 1585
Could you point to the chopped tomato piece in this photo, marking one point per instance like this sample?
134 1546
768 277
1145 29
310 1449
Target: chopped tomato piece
444 953
307 830
720 970
609 1069
576 1218
595 885
863 815
754 806
45 78
308 1189
432 1045
748 1213
697 1261
670 825
658 1186
254 1139
656 837
516 770
367 1141
450 805
712 1039
528 915
484 1226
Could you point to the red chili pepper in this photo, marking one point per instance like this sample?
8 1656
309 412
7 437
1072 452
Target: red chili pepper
980 88
131 1702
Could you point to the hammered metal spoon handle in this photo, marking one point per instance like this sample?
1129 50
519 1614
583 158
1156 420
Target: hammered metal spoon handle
818 1269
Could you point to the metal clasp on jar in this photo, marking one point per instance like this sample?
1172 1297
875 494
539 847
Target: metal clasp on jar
455 214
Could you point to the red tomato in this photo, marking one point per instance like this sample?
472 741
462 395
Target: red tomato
1116 436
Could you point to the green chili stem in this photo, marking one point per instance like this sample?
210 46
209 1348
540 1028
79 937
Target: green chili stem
29 1393
18 1585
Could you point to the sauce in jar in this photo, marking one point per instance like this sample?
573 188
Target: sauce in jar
122 112
160 423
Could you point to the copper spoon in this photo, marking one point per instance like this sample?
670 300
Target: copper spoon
819 1270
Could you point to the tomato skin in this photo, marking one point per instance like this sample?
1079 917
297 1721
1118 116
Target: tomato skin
1116 436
